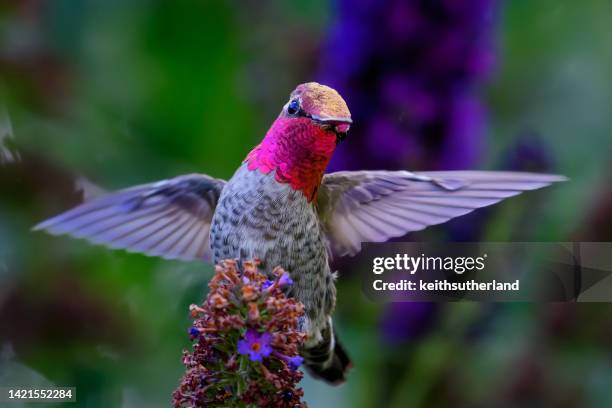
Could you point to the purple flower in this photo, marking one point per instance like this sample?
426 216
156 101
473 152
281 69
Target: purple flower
256 345
411 72
194 332
230 337
285 280
266 284
295 362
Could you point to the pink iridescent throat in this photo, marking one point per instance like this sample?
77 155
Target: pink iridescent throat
298 149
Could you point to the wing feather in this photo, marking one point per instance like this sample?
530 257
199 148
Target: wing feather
169 218
374 206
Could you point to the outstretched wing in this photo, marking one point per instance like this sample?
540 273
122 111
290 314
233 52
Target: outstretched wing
170 218
373 206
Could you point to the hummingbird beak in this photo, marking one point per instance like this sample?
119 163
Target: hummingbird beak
339 125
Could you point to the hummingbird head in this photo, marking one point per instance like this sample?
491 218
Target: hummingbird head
301 141
322 105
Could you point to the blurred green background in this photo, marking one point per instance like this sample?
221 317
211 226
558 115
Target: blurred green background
125 92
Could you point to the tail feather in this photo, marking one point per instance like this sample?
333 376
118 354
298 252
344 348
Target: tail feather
327 360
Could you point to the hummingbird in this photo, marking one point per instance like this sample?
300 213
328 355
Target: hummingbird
283 210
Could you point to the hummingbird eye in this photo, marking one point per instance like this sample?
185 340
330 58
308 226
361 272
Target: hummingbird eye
294 107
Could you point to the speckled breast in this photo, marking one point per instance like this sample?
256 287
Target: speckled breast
258 217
